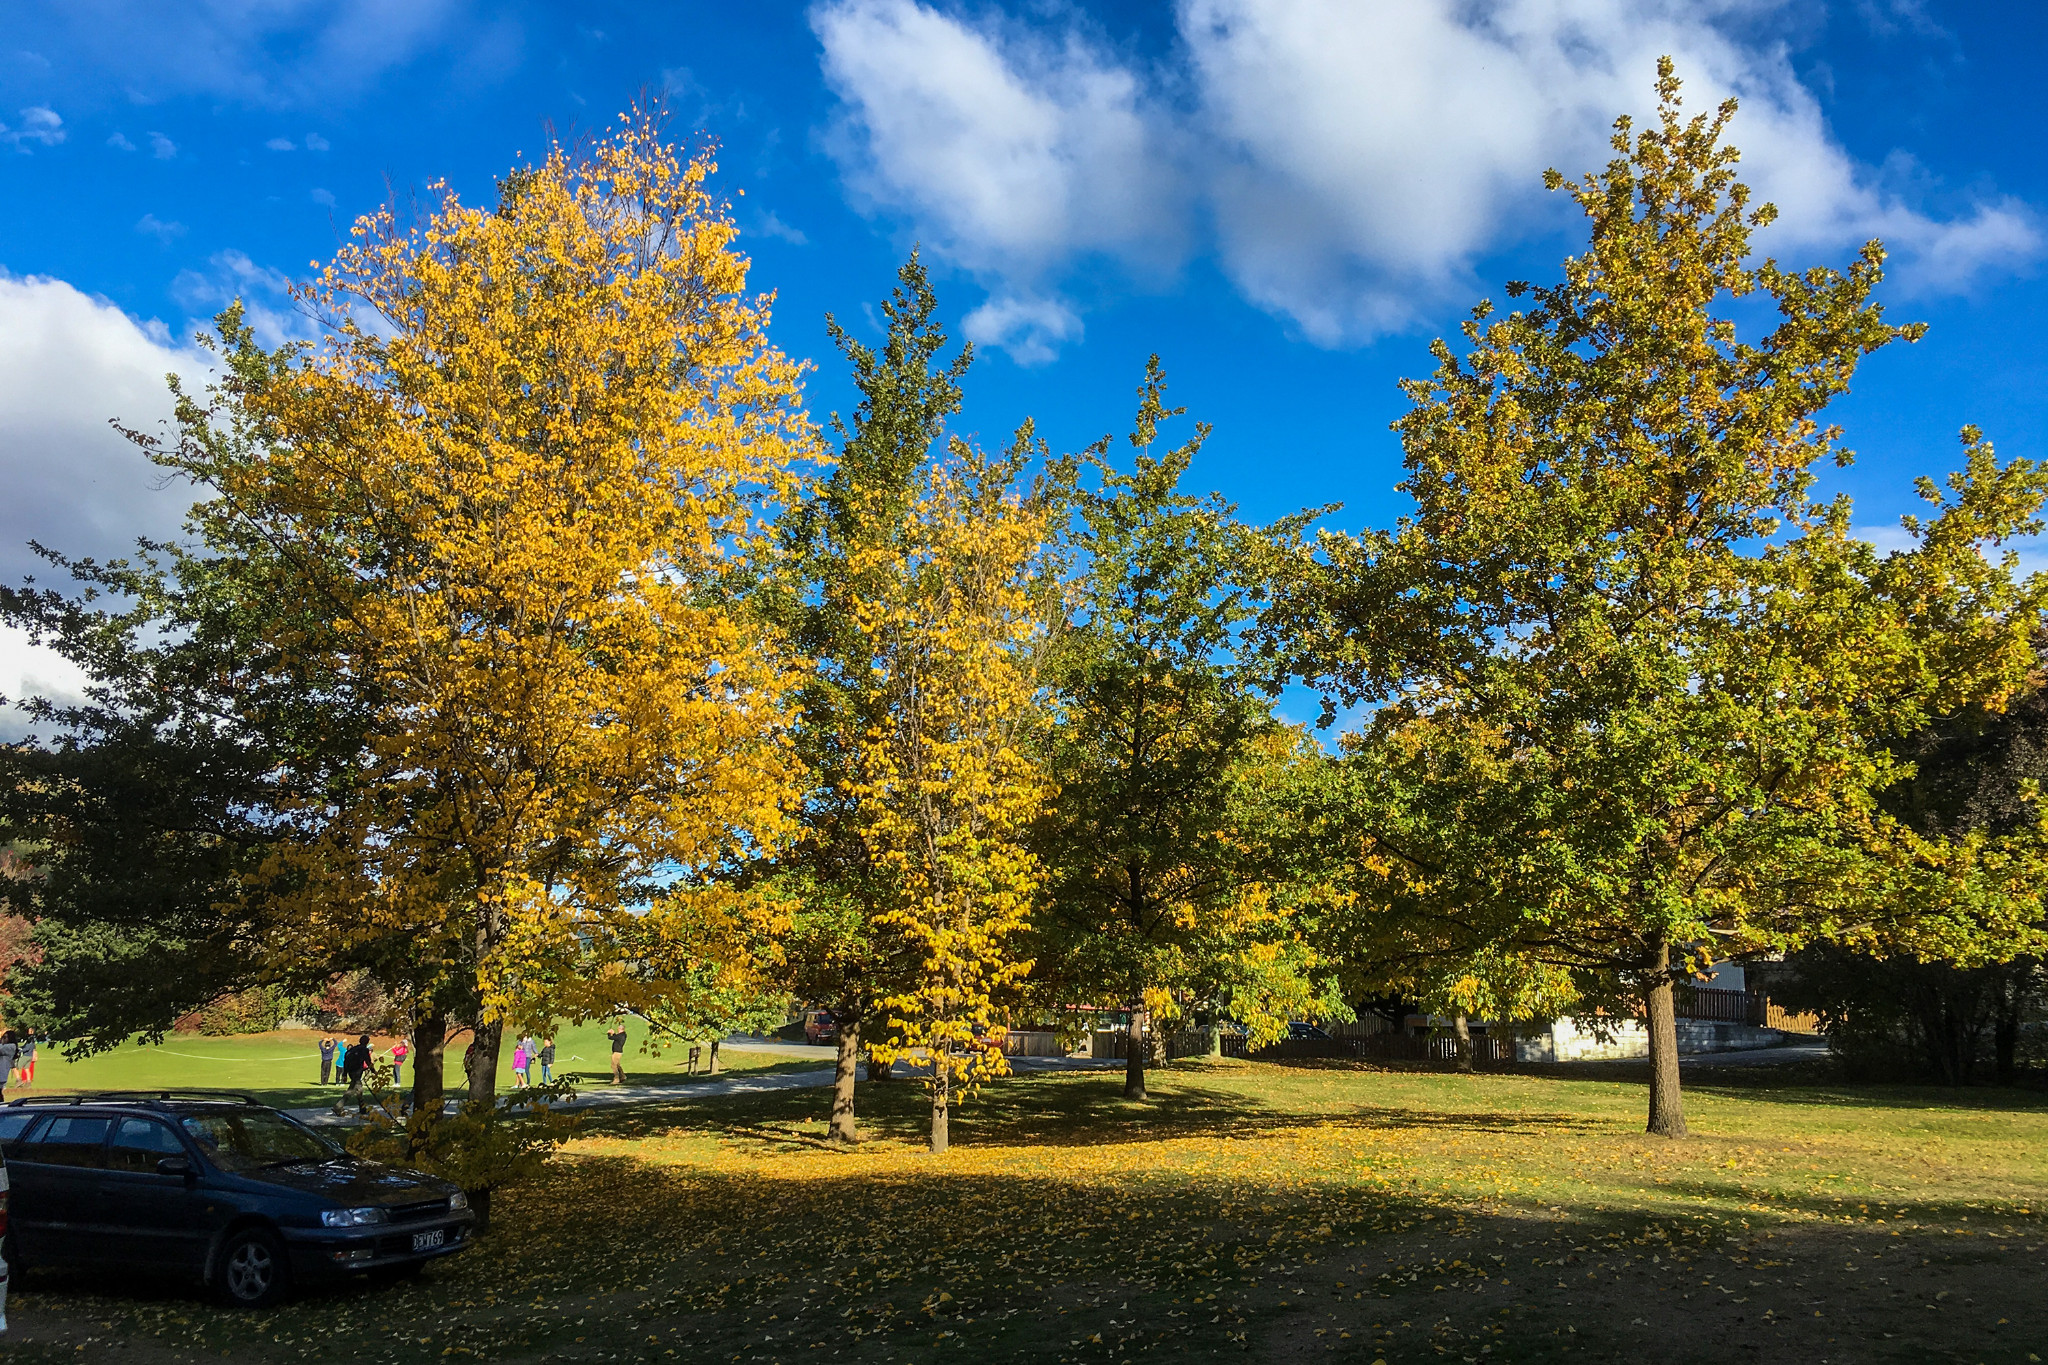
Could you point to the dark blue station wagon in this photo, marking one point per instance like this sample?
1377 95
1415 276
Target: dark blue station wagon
246 1199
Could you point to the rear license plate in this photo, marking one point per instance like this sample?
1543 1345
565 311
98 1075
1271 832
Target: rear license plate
427 1241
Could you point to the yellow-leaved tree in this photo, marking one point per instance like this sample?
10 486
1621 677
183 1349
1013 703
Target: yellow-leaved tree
538 443
952 616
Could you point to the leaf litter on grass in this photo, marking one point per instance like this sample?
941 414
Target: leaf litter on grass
1281 1213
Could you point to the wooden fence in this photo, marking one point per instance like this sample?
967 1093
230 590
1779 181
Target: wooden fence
1778 1017
1714 1006
1032 1043
1441 1047
1740 1007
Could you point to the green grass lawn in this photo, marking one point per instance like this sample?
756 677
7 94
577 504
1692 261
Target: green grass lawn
1249 1211
283 1068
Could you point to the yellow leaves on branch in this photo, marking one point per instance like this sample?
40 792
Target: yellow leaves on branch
948 788
539 437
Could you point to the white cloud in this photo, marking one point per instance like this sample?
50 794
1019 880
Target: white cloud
265 295
1012 152
162 147
120 143
266 52
30 670
1030 329
772 226
151 225
68 364
281 144
1353 158
1896 539
317 143
320 196
39 126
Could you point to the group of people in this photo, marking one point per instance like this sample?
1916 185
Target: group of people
355 1061
337 1055
17 1059
527 1054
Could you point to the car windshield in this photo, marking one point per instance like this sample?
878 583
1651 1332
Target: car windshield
246 1139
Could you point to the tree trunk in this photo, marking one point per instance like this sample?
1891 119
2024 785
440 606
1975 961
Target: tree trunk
1667 1105
879 1070
1134 1055
714 1058
1462 1028
429 1062
942 1095
481 1064
1215 1039
2010 1004
845 1064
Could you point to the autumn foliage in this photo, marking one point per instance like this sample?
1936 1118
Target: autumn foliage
560 669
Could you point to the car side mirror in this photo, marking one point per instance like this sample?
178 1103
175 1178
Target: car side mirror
174 1165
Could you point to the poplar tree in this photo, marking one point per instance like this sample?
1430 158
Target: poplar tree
954 619
845 544
1657 673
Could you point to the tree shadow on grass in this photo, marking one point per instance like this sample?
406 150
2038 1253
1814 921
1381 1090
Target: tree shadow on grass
1051 1109
611 1256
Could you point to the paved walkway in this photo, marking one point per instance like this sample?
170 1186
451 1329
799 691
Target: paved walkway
604 1095
1759 1056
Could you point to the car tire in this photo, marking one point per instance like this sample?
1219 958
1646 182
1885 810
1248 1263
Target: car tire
253 1270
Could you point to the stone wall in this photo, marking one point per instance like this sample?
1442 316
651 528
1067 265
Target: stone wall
1565 1041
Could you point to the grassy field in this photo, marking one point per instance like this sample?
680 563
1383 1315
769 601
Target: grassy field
284 1068
1251 1211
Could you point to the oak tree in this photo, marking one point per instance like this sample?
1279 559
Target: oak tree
1656 672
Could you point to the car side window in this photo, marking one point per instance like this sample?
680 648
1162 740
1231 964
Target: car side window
140 1143
67 1140
12 1126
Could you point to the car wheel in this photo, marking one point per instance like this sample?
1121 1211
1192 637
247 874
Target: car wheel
253 1273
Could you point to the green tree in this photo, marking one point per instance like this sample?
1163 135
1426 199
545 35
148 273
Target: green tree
1156 898
1655 672
149 813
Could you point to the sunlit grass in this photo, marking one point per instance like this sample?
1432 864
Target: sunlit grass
283 1068
1249 1210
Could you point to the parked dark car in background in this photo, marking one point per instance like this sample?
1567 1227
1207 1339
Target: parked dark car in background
1297 1029
244 1198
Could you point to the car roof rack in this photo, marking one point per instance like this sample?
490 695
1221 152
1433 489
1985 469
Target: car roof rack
134 1097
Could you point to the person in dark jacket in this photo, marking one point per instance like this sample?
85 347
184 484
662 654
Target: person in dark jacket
354 1063
10 1052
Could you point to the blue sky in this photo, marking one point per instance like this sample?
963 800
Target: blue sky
1284 198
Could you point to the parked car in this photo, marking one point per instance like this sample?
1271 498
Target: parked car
244 1198
821 1027
1297 1029
3 1235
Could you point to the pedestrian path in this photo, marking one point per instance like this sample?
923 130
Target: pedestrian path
603 1096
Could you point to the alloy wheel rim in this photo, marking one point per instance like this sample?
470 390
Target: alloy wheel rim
249 1270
